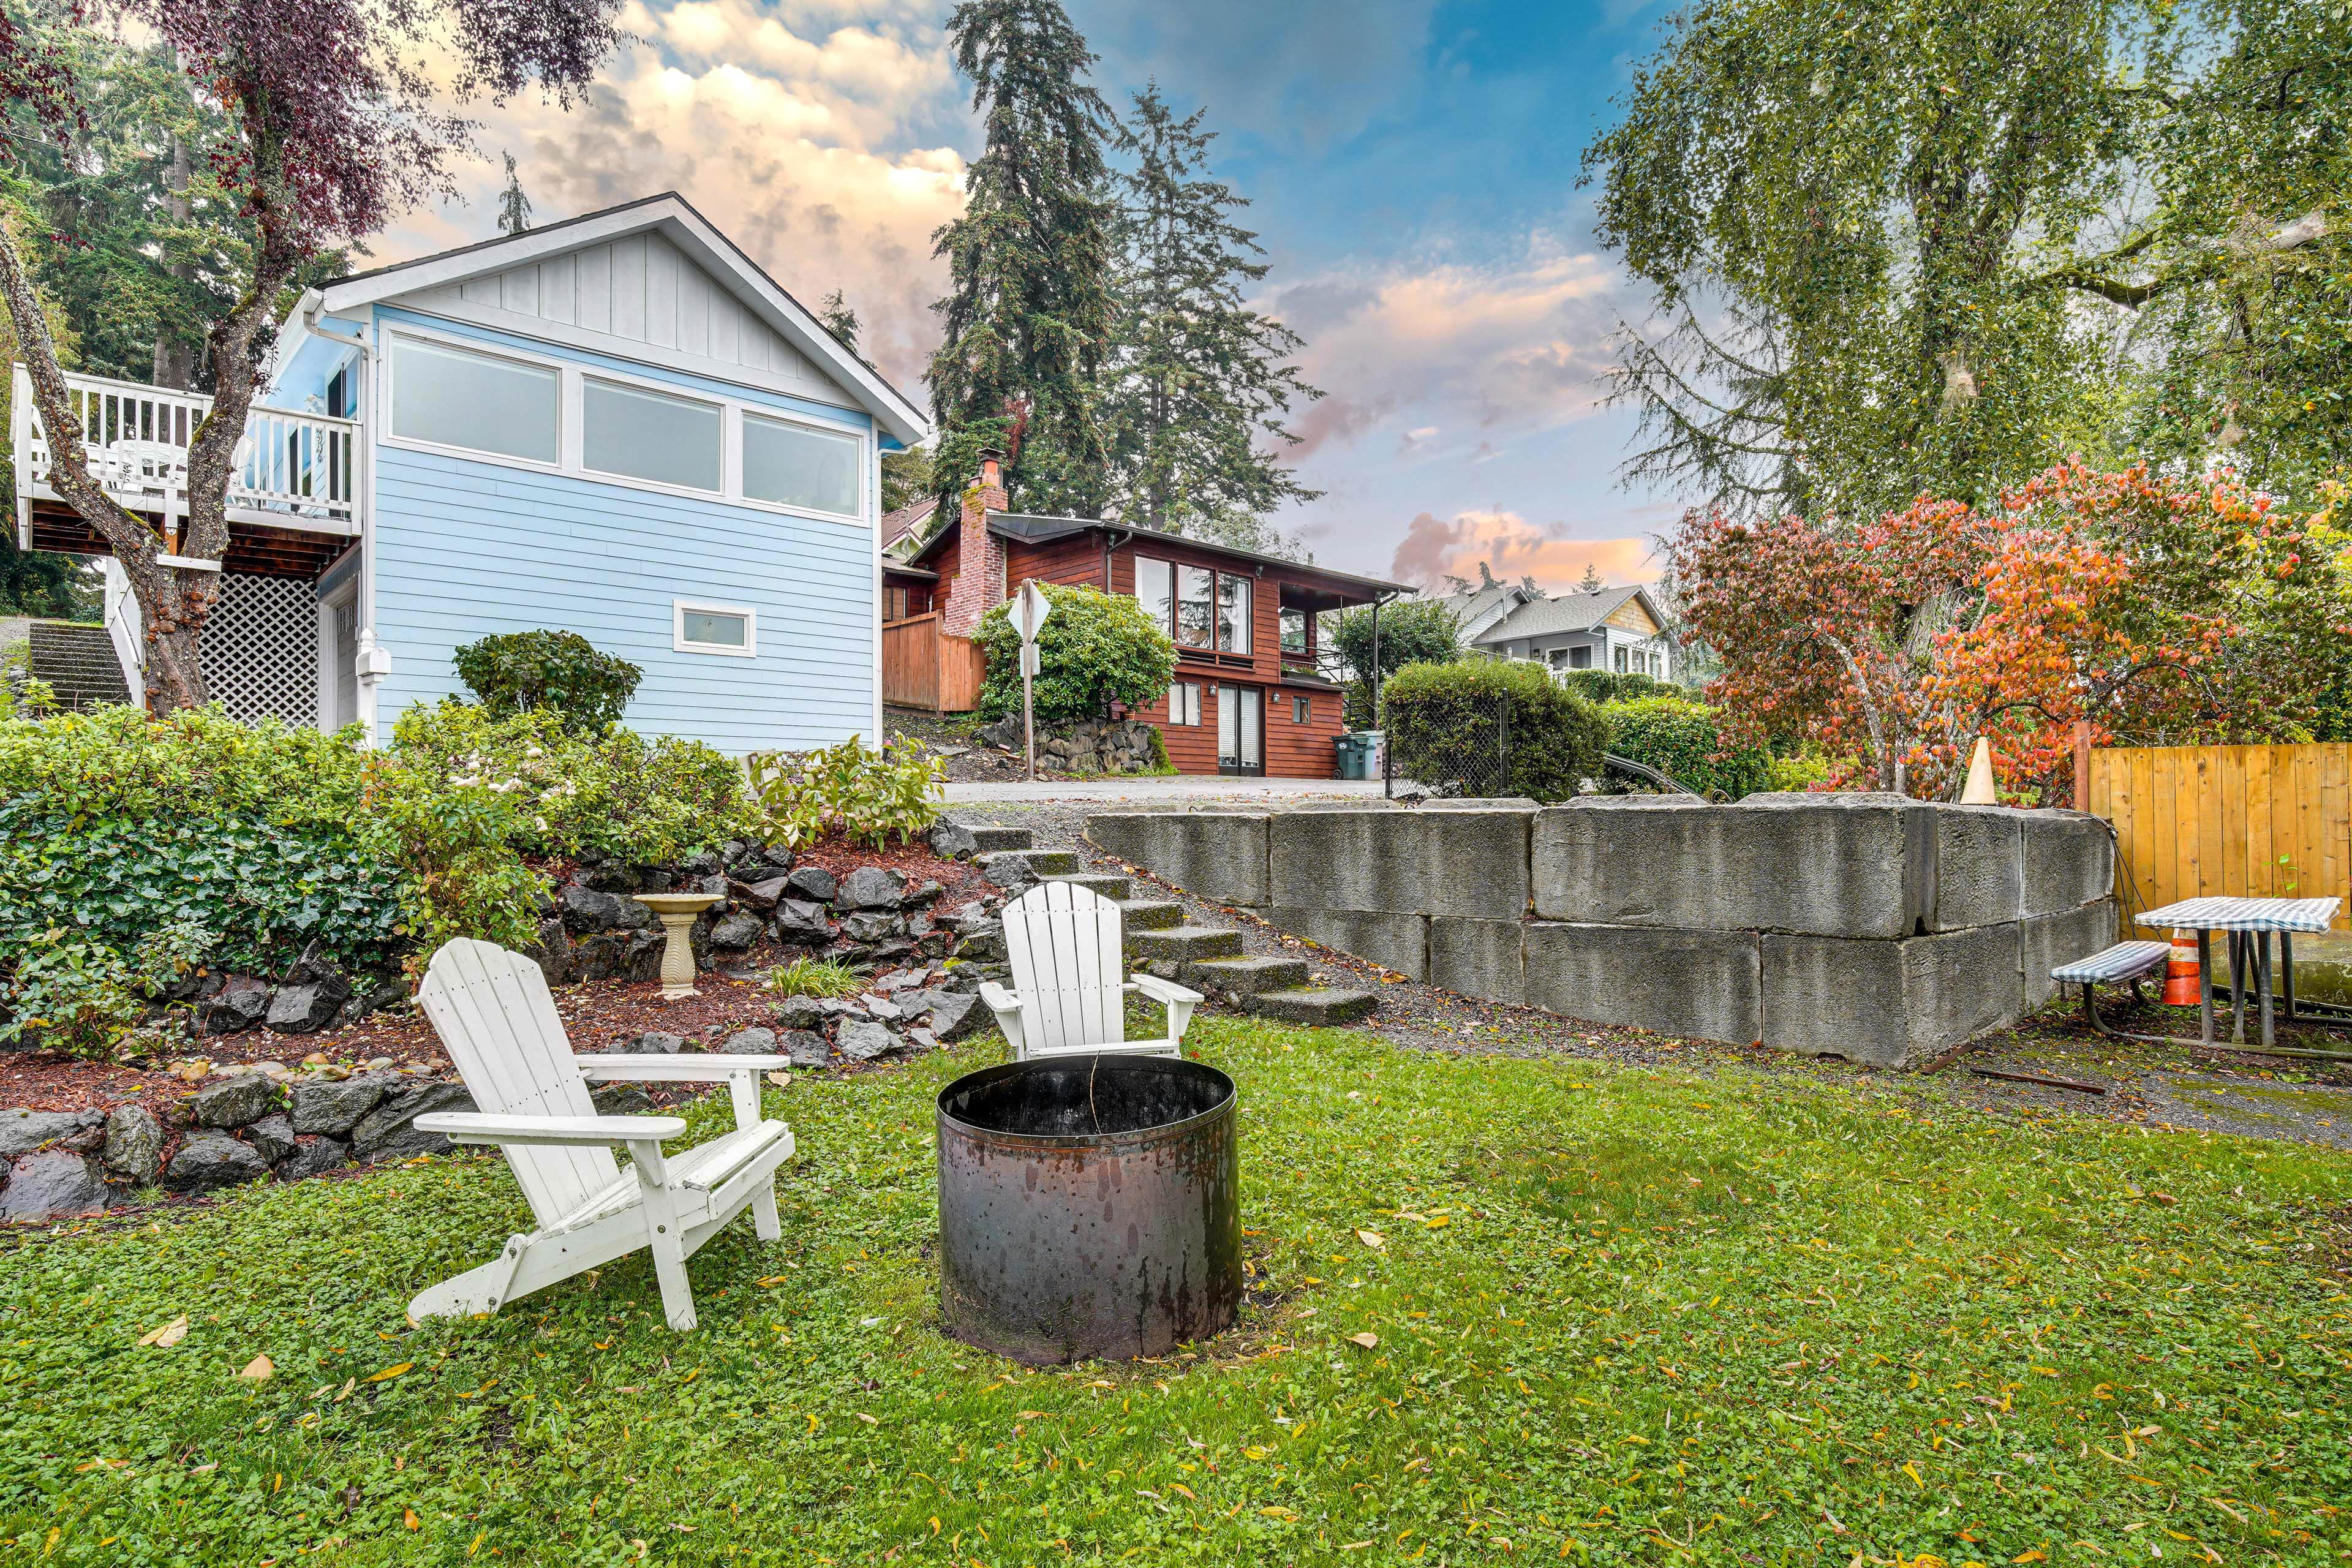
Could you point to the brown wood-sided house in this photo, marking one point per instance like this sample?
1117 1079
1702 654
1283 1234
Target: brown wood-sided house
1250 695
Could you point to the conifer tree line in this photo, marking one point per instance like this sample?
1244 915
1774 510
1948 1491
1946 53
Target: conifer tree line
1095 328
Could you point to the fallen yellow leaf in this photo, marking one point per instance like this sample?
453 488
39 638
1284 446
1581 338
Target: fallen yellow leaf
1372 1238
259 1369
1368 1339
391 1371
408 1517
170 1334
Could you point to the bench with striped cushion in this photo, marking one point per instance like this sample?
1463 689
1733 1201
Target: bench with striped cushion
2124 961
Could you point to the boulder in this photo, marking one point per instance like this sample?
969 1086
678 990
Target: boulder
655 1042
379 997
749 1043
587 911
134 1145
236 1101
813 882
22 1131
384 1134
552 951
978 937
802 923
599 873
954 1014
243 1003
761 894
314 1157
621 1099
336 1107
805 1046
800 1012
618 956
208 1161
702 863
737 932
272 1137
952 840
862 1039
871 888
880 1007
870 925
51 1185
307 1008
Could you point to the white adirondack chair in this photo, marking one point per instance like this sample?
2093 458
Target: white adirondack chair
1067 995
495 1016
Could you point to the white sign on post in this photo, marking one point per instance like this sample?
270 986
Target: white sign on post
1028 612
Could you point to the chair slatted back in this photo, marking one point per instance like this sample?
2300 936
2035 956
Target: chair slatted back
499 1024
1062 942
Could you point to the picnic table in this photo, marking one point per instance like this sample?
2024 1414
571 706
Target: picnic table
2250 923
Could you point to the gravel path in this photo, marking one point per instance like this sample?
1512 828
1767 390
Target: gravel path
2149 1085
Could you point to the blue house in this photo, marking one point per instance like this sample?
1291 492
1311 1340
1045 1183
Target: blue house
617 425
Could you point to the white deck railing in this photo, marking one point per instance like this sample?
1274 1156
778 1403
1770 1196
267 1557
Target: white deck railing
292 470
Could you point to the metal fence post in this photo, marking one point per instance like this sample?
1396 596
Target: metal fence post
1503 744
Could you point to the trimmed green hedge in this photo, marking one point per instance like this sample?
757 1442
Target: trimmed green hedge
1680 739
1491 726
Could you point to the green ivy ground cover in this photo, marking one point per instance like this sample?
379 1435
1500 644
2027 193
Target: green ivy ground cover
1620 1316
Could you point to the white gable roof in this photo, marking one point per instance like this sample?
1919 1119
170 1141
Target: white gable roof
651 279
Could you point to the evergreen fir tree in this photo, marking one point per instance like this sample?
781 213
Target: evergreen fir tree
839 318
514 207
1198 402
1028 315
1591 583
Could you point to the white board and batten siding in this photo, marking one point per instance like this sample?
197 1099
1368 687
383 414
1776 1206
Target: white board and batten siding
637 289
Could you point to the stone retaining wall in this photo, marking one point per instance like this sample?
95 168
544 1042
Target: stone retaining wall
1868 926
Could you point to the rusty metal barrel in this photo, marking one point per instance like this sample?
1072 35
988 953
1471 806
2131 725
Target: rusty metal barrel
1089 1207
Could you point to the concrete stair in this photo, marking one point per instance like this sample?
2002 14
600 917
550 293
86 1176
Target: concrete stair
1208 958
77 662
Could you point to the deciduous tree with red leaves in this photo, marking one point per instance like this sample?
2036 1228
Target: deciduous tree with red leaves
338 127
2158 608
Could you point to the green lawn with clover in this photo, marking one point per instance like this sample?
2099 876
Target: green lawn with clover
1617 1315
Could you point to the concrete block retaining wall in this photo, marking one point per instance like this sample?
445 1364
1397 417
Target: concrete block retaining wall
1868 926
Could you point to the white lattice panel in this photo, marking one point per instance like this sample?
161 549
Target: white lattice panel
260 649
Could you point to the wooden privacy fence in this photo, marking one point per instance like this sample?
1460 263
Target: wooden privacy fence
2248 821
924 666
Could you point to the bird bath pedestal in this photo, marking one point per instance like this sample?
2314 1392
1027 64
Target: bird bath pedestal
677 912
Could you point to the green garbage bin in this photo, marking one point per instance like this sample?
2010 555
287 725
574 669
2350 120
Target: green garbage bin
1355 755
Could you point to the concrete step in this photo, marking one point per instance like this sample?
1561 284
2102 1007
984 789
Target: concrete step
1245 976
77 662
1039 863
994 837
1322 1007
1150 914
1184 943
1110 887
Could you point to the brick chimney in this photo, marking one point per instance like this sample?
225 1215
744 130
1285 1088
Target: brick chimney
979 584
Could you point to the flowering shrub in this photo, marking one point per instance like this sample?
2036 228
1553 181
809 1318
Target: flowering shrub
866 795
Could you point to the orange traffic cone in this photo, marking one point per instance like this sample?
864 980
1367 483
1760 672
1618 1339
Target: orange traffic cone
2181 988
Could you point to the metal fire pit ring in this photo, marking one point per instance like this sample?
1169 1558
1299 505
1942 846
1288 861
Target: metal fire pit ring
1058 1243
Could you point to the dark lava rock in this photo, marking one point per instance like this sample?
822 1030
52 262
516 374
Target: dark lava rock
336 1107
813 882
802 923
307 1009
761 894
242 1003
235 1101
208 1161
621 1099
314 1157
657 1042
618 956
384 1134
736 932
587 911
952 840
871 888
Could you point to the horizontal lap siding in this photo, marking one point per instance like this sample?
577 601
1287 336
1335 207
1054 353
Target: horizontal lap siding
1078 561
465 549
1295 751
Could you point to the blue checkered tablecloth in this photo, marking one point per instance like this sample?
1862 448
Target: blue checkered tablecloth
2245 914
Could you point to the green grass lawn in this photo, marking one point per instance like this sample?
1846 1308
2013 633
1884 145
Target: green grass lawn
1621 1316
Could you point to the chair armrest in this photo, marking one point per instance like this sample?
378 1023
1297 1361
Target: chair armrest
998 998
627 1068
558 1132
1163 991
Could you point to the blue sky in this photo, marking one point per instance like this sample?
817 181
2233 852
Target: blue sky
1412 166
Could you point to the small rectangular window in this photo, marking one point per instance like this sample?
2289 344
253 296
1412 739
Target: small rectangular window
1154 592
1185 702
1301 712
648 436
1621 661
1233 614
482 403
793 465
1294 631
1580 659
729 629
1195 612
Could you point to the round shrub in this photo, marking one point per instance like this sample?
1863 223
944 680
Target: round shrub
1491 726
515 672
1096 649
1679 738
1615 686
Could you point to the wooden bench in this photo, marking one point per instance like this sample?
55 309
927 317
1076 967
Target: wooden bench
2131 961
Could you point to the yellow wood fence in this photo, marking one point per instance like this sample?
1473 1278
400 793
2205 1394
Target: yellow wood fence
2250 821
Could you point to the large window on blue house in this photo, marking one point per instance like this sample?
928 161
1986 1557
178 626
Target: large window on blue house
794 465
454 398
648 436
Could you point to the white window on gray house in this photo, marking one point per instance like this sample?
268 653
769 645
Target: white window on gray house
454 398
730 629
1621 661
1580 659
649 435
793 465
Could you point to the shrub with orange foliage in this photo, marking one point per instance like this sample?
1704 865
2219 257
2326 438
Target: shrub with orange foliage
2159 609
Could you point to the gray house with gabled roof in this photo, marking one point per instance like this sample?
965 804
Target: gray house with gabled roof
1616 629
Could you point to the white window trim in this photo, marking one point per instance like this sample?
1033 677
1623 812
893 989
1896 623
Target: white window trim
725 425
680 608
572 380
